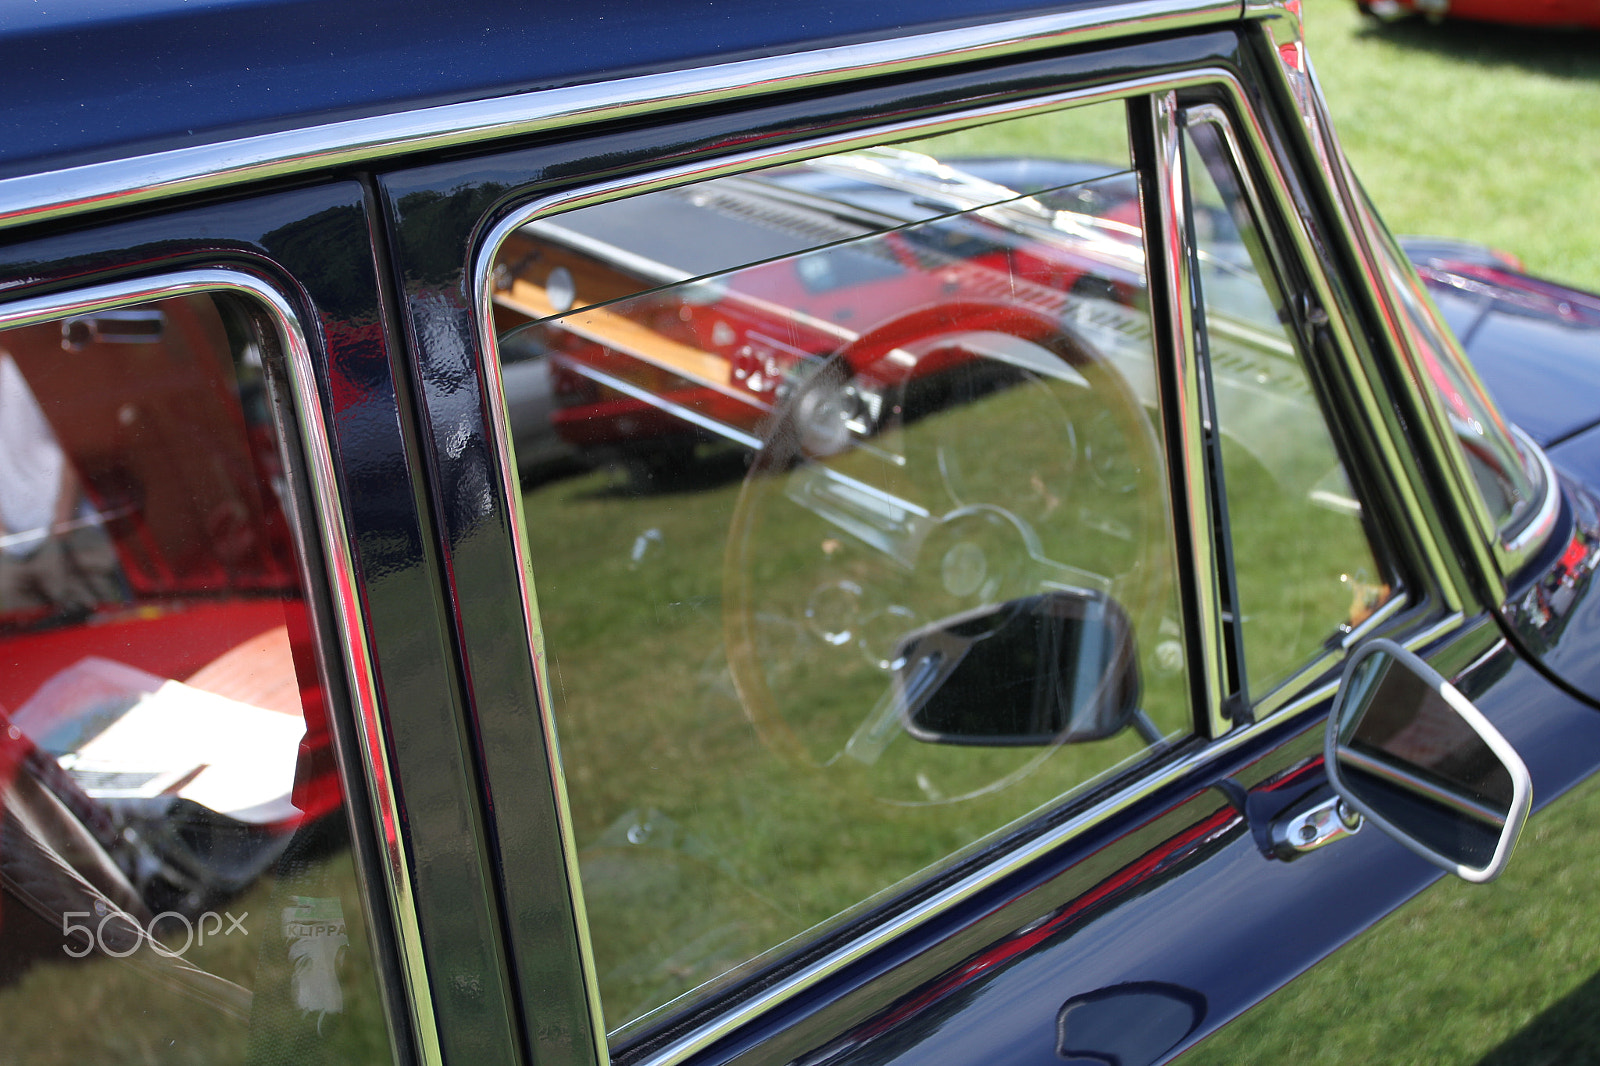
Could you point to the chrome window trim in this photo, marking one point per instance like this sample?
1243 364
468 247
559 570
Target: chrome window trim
342 585
1492 557
208 167
499 425
1251 138
1188 412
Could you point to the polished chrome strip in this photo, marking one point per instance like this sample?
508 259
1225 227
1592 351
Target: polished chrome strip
1518 549
342 584
71 190
1355 230
499 424
1190 408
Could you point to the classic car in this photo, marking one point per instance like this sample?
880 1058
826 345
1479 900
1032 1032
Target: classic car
1068 594
1549 14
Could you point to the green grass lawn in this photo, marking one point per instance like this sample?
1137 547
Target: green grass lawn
1480 132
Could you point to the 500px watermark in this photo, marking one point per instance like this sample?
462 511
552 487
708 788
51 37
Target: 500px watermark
119 936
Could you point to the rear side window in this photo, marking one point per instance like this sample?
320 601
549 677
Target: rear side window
176 881
856 545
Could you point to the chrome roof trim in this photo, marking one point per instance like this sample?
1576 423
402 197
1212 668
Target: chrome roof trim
359 675
352 142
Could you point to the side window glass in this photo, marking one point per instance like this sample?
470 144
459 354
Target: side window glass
1303 563
176 882
867 553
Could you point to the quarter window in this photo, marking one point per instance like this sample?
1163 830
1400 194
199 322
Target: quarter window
868 551
1304 567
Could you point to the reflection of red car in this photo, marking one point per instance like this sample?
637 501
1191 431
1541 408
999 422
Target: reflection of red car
718 357
1547 13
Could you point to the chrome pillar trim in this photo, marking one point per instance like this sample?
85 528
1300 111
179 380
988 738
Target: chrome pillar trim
1188 413
1388 435
1386 431
208 167
499 423
1357 231
359 675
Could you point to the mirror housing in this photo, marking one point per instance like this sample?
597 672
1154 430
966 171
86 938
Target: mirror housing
1056 668
1411 753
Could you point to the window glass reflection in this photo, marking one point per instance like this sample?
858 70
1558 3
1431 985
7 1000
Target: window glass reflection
173 844
874 557
1304 566
1508 480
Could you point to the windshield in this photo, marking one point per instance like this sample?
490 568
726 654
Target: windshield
1508 477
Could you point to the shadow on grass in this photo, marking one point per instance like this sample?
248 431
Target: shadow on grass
1558 53
1567 1033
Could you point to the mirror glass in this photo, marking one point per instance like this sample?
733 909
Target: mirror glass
1412 752
1054 668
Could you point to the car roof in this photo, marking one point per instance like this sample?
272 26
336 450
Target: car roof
89 80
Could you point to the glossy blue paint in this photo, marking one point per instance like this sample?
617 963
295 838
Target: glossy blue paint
1173 900
87 81
1535 344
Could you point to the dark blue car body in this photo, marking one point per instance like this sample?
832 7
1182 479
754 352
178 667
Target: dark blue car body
353 156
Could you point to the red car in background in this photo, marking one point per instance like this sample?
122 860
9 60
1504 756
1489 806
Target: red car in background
1552 14
917 250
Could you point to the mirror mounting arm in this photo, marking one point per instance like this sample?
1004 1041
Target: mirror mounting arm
1313 824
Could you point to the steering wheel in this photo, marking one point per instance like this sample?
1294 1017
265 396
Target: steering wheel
960 456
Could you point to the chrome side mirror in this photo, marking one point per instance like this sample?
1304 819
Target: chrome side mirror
1413 754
